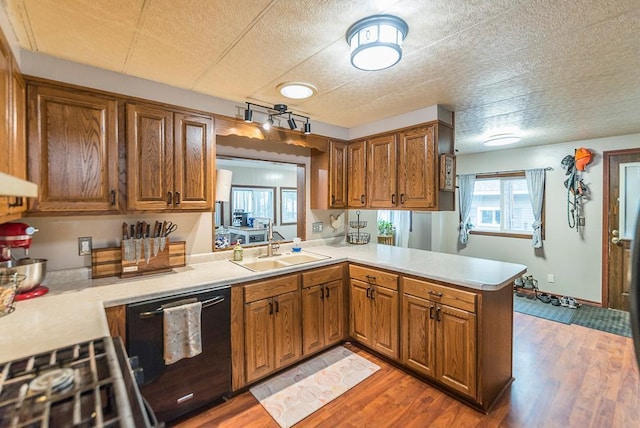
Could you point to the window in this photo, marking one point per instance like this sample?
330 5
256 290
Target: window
501 205
254 201
288 205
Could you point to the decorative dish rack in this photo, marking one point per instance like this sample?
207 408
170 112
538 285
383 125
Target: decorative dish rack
9 283
357 237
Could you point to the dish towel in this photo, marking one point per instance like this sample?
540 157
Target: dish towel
182 332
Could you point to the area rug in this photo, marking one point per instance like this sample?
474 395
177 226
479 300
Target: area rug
609 320
296 393
542 310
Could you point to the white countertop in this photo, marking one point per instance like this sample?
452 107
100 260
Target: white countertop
74 312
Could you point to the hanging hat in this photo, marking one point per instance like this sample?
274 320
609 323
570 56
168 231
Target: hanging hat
568 164
583 157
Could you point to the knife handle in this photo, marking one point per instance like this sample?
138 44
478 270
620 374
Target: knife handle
125 231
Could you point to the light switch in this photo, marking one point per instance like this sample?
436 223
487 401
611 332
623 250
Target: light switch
84 246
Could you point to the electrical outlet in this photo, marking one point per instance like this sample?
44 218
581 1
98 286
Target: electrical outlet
580 221
551 277
317 227
84 246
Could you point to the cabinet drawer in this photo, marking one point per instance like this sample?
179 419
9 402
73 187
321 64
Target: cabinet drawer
373 276
439 293
321 276
272 287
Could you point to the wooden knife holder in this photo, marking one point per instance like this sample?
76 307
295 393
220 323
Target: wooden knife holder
157 264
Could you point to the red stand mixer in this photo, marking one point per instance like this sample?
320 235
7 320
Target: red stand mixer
19 235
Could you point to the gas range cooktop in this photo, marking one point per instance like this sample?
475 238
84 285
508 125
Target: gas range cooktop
84 385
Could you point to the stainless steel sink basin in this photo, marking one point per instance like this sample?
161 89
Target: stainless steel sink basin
261 264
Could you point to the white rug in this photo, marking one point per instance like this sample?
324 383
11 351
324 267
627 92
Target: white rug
298 392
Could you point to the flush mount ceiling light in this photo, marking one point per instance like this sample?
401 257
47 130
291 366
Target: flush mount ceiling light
297 90
501 139
275 111
376 42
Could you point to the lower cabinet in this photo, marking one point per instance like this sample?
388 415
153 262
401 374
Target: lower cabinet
439 334
322 308
272 325
373 304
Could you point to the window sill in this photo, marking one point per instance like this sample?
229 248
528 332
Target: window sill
502 234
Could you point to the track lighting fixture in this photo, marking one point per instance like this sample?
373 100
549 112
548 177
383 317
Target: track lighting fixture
277 110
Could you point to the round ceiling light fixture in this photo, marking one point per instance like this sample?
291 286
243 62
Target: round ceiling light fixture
501 139
297 90
376 42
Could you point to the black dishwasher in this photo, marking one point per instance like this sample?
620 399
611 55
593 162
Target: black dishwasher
175 389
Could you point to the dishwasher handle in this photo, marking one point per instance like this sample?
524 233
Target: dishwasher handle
205 304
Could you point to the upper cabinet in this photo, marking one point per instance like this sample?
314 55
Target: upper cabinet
381 172
357 174
73 149
169 159
417 170
329 177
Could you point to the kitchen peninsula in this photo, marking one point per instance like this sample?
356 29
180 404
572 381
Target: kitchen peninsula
428 286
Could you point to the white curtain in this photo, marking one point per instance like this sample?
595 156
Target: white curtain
535 184
465 196
401 220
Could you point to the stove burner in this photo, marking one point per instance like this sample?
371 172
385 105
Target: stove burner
59 380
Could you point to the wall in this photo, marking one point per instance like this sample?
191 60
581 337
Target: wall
574 258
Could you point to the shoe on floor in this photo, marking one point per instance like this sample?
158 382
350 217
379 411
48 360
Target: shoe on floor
555 301
544 298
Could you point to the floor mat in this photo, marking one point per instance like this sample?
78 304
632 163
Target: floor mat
542 310
296 393
609 320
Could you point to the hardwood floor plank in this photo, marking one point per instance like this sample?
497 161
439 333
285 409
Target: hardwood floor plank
565 376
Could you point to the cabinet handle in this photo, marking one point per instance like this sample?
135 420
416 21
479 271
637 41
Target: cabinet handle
433 293
368 291
393 199
431 311
169 198
277 307
333 199
322 292
177 198
402 198
270 308
18 202
362 199
327 294
372 296
113 197
371 279
438 313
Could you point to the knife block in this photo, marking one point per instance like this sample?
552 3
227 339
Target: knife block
157 264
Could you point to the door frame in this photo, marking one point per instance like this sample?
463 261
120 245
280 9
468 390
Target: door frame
605 219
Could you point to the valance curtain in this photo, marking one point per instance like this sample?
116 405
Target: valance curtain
535 184
465 196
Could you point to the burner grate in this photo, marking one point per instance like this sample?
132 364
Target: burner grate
95 397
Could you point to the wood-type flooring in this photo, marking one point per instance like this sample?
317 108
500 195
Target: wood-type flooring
565 376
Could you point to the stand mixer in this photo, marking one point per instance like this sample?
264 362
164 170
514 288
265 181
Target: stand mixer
19 235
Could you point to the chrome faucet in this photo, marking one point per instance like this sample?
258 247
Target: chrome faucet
272 249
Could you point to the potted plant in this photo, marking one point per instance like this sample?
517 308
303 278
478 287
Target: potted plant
385 228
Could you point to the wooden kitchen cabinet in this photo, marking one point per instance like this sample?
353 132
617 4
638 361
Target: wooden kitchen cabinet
382 171
117 321
439 334
322 308
73 149
357 174
373 303
417 172
329 177
272 326
169 159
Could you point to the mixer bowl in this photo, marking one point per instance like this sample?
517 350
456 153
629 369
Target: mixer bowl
34 271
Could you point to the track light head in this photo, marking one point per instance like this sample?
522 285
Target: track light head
248 115
292 123
268 124
307 128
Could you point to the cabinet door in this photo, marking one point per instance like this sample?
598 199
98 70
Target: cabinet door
258 334
338 174
356 174
417 180
381 172
333 312
193 166
456 359
287 335
73 150
18 133
149 158
385 321
360 312
313 319
418 334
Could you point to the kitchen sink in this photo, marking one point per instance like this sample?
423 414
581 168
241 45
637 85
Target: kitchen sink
261 264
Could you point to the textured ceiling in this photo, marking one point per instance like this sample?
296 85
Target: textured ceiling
557 70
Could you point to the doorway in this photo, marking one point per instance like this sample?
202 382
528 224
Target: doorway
620 205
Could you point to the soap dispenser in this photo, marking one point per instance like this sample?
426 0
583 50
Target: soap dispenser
237 251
